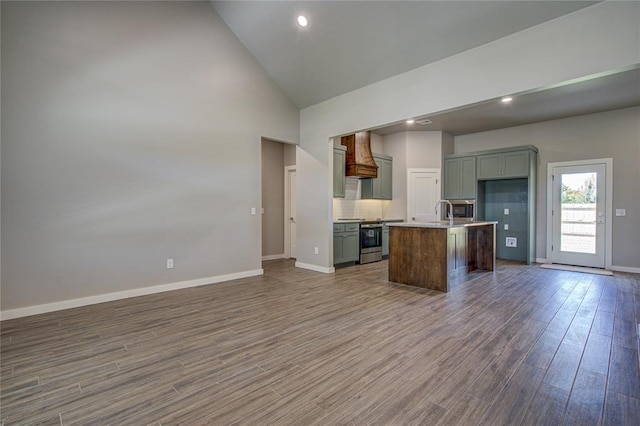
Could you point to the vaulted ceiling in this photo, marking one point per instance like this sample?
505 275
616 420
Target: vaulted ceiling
351 44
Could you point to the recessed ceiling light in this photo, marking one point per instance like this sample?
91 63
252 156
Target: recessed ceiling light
302 21
506 99
411 121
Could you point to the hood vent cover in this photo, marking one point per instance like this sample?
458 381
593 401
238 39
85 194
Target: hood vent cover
359 159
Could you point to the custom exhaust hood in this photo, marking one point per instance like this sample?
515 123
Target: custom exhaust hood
359 159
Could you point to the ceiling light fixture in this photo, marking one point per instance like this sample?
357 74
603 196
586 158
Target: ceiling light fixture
302 21
411 121
506 99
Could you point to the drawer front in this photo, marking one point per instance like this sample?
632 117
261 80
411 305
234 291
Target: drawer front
338 227
351 227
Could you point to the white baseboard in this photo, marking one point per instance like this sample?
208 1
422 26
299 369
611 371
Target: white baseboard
273 256
109 297
630 269
316 268
541 260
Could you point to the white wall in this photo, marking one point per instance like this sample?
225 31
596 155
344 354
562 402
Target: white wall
418 149
395 145
131 134
289 154
550 53
613 134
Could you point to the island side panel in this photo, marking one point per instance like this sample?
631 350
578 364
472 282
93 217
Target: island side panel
488 242
418 256
482 243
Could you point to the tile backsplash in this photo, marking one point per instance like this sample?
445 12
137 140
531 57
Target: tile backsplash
351 206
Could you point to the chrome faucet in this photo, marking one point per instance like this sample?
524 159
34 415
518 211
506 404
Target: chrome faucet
450 215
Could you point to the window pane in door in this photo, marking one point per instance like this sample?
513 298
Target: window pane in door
578 209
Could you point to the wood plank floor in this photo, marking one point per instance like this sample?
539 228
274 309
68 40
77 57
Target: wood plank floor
523 345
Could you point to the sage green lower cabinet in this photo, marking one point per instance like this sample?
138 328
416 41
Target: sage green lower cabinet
379 188
385 236
339 179
346 243
385 241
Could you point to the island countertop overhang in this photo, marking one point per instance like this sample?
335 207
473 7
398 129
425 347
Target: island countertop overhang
442 224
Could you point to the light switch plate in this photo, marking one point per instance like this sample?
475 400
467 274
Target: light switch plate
506 211
506 226
621 212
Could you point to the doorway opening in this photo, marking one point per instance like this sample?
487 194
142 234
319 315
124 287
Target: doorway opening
276 158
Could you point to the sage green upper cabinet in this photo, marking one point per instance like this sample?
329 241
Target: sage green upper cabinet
339 154
460 178
503 165
379 188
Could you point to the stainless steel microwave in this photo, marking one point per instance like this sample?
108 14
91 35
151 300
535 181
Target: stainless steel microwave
462 209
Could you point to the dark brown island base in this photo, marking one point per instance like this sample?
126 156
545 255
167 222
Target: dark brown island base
430 254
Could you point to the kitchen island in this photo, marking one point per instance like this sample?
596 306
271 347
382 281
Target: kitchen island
432 254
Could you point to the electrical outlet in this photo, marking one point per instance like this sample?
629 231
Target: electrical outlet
253 211
506 226
169 263
621 212
512 242
315 250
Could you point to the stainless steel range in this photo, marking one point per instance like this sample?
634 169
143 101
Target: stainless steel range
370 242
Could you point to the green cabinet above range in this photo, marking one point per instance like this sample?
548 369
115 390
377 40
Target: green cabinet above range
379 188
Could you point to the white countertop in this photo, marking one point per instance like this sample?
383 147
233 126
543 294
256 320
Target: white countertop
444 224
367 220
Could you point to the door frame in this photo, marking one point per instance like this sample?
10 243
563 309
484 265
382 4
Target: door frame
287 211
438 171
608 166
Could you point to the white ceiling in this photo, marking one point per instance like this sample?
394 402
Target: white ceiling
585 96
351 44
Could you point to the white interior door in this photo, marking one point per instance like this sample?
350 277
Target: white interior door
579 214
290 212
422 194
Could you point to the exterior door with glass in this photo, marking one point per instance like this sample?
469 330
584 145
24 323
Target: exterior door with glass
578 214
